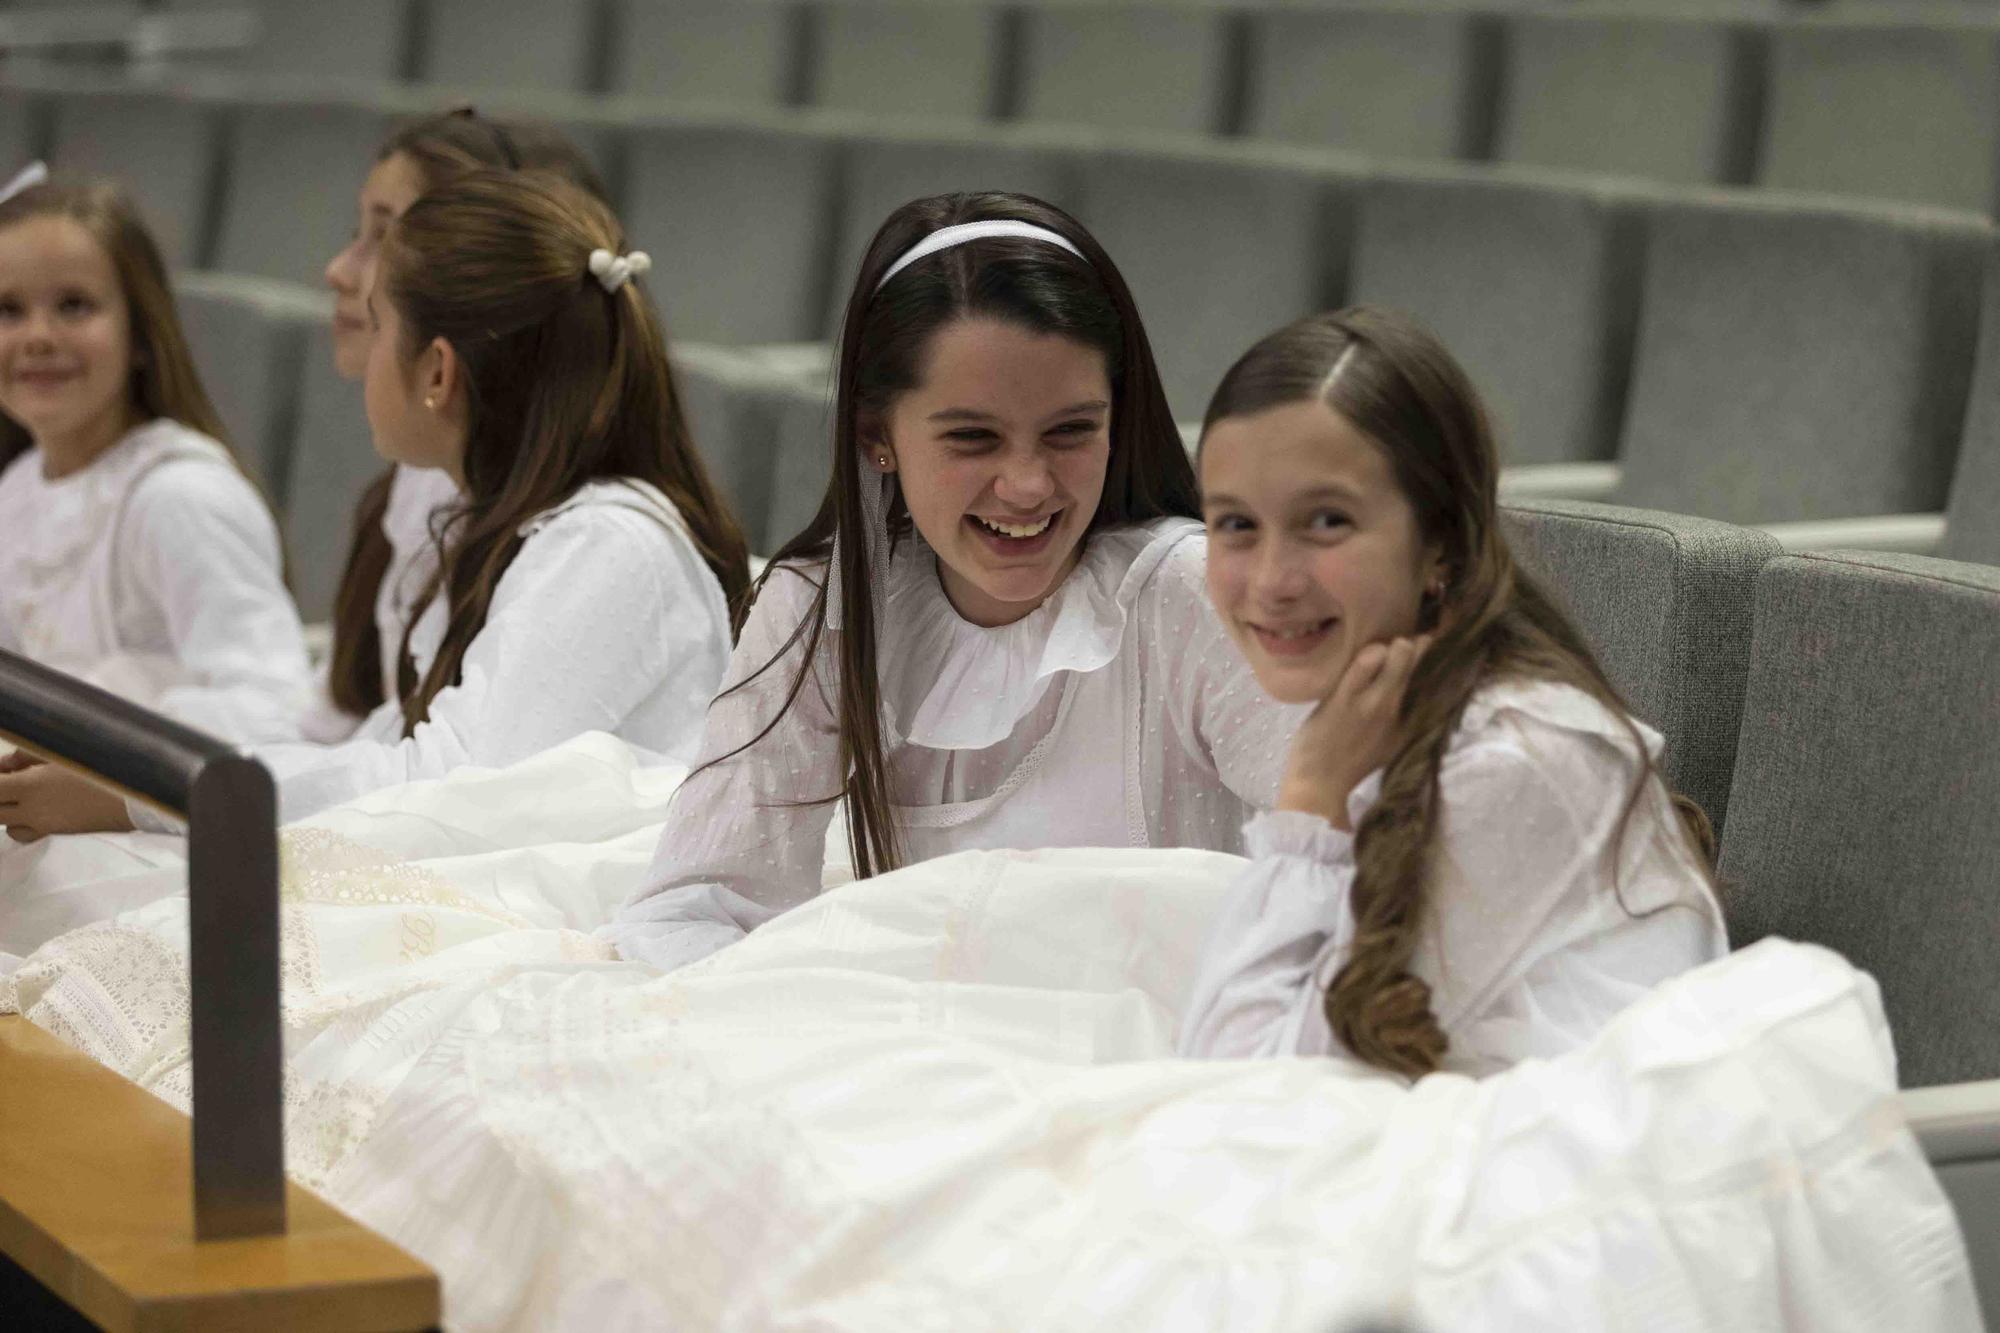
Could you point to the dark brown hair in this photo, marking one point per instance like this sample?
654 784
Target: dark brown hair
1395 383
441 148
884 342
164 382
565 383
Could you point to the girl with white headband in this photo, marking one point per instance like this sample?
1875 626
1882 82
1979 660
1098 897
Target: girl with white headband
586 576
994 632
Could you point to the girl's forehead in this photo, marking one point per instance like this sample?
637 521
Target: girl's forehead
53 249
1293 447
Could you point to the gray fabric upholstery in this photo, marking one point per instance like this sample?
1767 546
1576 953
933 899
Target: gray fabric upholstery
1532 281
513 44
804 458
1972 518
733 401
24 127
247 336
1907 113
364 40
1863 811
290 173
162 149
1632 96
724 52
1665 602
1219 248
883 171
1974 1189
332 462
736 220
1400 84
1146 68
897 57
1800 360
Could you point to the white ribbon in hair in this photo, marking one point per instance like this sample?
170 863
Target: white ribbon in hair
26 179
612 271
944 238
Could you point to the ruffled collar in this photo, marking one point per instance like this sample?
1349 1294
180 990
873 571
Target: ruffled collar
948 684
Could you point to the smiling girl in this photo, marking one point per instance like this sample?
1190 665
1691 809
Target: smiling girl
994 633
136 553
1473 859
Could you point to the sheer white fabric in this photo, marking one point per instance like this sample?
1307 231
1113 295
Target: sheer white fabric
1116 714
155 572
1533 940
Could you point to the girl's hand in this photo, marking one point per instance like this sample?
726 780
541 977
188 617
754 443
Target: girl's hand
37 799
1352 732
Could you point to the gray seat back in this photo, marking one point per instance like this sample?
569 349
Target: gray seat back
24 127
248 338
1799 360
1148 68
513 44
291 171
906 58
1972 518
162 149
804 463
332 462
1531 280
368 41
733 400
1862 816
1664 600
721 52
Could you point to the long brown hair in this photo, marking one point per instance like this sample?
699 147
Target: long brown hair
565 383
440 148
884 340
1399 386
164 382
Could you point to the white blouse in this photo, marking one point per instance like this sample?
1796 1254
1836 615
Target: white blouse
1115 714
156 573
607 620
1531 943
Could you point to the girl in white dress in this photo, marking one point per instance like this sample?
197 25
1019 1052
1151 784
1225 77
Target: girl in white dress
586 578
136 553
994 633
1473 859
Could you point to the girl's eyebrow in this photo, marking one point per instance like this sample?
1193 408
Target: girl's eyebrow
974 414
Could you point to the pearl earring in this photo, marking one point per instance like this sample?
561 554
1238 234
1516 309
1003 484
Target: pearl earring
431 402
882 460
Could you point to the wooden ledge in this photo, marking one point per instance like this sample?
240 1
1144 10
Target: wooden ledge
97 1204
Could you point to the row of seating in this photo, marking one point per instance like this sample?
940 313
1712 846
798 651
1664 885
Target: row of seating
1904 108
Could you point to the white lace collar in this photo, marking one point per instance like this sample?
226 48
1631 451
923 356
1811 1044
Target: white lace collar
948 684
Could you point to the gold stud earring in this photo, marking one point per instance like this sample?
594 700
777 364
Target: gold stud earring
431 402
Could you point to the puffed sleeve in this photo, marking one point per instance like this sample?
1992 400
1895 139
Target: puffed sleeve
199 544
745 836
600 604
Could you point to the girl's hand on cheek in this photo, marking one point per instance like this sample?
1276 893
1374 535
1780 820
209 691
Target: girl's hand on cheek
40 799
1353 731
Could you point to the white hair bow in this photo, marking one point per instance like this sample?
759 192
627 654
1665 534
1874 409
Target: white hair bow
29 176
612 271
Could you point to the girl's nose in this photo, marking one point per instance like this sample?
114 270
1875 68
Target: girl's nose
1025 483
1279 575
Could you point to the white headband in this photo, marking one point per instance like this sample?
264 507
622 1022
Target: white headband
611 271
946 237
29 176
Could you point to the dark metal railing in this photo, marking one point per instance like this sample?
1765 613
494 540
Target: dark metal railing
231 807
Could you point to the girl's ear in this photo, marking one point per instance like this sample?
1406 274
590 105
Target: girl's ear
871 433
440 376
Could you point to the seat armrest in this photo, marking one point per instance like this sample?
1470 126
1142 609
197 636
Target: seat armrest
1956 1122
1560 481
1916 534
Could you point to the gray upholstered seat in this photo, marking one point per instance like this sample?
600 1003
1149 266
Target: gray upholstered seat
363 40
1666 99
904 57
513 44
1219 247
248 339
1395 82
332 462
721 52
1800 360
1530 279
737 221
734 400
161 148
24 127
1147 67
291 170
1664 600
1904 112
804 460
1972 517
1862 815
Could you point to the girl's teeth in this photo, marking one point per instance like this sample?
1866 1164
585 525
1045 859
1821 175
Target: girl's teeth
1018 530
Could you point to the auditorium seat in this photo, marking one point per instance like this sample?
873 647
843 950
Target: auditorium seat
248 339
1664 98
1530 278
736 218
290 173
1972 520
1392 82
733 399
367 41
1800 360
1220 246
24 127
160 147
519 45
906 58
1143 68
333 459
1665 601
720 52
1893 112
804 457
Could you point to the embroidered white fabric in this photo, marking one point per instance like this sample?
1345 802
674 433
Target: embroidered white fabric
1532 940
1117 714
